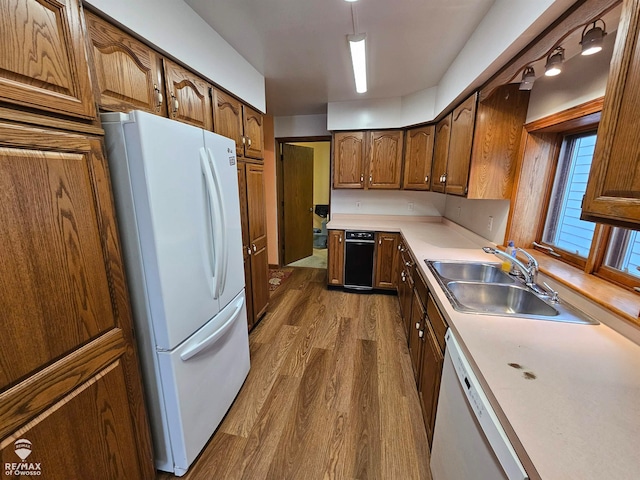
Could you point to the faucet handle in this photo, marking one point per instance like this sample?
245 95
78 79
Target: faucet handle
531 260
552 293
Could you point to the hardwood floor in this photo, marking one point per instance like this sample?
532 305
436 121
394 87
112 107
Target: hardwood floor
330 394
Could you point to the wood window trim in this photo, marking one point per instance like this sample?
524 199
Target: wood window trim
596 283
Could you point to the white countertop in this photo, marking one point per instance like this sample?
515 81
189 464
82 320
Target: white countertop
579 418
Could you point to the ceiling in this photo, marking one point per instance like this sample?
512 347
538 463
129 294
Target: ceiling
301 47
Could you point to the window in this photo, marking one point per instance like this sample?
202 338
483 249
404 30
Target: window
563 228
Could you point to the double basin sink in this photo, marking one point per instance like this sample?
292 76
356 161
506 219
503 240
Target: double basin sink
484 288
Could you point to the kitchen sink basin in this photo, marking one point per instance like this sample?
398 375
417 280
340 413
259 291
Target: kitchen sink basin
470 272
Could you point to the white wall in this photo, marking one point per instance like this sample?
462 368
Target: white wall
173 27
386 202
301 126
365 114
474 215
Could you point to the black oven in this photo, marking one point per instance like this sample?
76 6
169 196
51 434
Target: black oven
358 260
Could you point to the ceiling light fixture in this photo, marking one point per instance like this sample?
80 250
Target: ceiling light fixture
359 60
592 40
528 77
554 62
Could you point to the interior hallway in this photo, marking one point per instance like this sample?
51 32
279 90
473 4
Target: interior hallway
330 394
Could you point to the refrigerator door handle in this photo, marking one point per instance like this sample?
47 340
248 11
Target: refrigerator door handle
222 251
215 336
213 229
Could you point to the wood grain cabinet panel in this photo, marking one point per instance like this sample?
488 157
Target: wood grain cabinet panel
335 265
253 132
43 58
418 154
246 249
613 189
429 381
462 127
128 74
349 156
386 260
417 328
188 96
385 159
440 154
227 118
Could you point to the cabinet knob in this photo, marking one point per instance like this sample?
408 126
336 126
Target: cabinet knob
421 333
244 140
379 241
426 179
248 250
370 178
159 97
417 325
361 177
249 140
176 104
255 249
340 239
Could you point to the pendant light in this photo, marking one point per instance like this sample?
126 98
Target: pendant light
554 62
593 38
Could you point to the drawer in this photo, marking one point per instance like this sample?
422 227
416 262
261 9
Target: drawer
438 322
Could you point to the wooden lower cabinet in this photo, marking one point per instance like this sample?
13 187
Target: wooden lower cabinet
386 260
253 217
69 381
335 264
429 381
416 333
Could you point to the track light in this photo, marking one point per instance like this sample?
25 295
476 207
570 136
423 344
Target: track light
554 62
359 60
592 40
528 77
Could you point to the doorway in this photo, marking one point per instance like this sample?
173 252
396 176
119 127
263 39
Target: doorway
303 184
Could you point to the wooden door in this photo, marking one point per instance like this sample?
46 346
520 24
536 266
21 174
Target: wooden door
43 58
416 332
429 384
613 188
253 132
418 154
460 143
257 214
440 154
227 118
188 96
297 173
385 159
386 260
246 250
335 262
66 350
349 154
127 73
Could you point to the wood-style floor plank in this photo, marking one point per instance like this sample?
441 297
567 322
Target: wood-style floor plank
330 395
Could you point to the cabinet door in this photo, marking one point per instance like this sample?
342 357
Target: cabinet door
385 159
188 97
42 57
349 153
254 133
386 260
613 189
440 154
429 384
416 332
460 143
246 251
128 74
66 314
335 269
418 154
257 215
227 118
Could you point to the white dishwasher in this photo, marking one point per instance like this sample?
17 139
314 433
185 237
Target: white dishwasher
468 440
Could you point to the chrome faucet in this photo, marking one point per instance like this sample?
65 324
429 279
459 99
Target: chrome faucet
528 271
532 264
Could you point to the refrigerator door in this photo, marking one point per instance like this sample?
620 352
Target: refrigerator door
201 378
221 154
171 214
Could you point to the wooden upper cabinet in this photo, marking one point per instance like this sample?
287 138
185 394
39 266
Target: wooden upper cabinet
418 154
462 127
128 74
440 154
613 189
349 153
253 132
335 266
188 96
43 58
386 260
385 159
496 143
227 118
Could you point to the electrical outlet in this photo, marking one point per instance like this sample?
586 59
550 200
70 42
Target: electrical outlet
490 224
410 205
357 204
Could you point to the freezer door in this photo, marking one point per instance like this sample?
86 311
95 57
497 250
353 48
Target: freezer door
200 379
171 211
221 154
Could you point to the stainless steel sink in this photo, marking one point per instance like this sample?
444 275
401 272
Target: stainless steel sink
470 272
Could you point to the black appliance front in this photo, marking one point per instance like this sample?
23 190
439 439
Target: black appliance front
358 260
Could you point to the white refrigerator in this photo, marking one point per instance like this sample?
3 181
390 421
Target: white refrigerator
176 195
